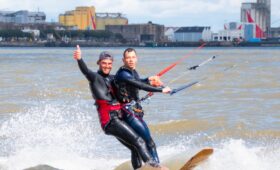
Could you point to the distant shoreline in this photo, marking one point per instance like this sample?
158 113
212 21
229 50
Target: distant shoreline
161 45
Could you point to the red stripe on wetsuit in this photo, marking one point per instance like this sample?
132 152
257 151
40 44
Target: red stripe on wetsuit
104 108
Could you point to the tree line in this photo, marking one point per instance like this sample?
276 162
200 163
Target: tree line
100 35
14 34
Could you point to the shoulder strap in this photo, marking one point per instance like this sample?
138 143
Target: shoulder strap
109 86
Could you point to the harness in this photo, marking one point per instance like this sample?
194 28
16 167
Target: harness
133 108
127 94
106 109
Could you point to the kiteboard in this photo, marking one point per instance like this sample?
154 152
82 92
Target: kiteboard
198 158
191 163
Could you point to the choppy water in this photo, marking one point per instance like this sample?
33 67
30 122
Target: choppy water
47 114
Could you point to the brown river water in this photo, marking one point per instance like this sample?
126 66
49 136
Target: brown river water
47 114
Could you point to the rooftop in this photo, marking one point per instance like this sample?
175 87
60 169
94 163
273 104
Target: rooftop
191 29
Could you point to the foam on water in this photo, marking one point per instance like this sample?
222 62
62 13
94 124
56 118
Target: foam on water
67 137
242 155
230 154
58 136
55 157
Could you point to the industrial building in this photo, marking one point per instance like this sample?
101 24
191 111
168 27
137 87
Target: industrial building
22 17
237 31
169 33
260 12
85 18
229 35
190 34
254 26
275 32
149 32
103 19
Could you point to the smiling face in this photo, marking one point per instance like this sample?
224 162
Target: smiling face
130 59
105 65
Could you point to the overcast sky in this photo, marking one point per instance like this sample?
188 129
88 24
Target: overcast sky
212 13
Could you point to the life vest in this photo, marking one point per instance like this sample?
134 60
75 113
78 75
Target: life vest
104 108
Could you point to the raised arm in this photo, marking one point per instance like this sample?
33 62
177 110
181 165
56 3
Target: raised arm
82 65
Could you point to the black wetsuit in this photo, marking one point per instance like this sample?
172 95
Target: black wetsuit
100 85
128 84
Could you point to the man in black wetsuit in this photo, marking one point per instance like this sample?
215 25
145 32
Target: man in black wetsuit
128 83
109 109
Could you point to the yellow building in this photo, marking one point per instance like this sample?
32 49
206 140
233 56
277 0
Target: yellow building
82 17
103 19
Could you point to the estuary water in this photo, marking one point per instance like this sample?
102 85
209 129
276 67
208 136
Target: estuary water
48 117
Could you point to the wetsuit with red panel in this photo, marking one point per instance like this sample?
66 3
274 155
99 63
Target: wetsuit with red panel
109 115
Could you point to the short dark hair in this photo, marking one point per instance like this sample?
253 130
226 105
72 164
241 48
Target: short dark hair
105 55
128 50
